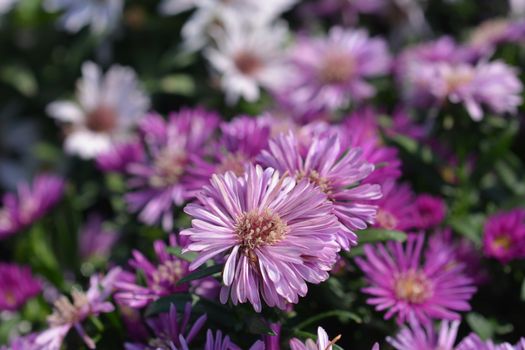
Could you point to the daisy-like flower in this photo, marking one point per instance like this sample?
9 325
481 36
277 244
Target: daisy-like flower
26 342
274 233
71 313
422 336
171 330
403 283
504 236
323 342
107 108
224 343
336 171
330 72
160 279
101 16
430 211
30 203
95 241
396 210
249 56
120 156
168 176
17 286
474 342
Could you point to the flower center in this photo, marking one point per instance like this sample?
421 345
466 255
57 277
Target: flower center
233 162
169 164
69 313
102 119
502 242
316 179
247 63
457 78
168 274
386 220
337 68
255 229
413 286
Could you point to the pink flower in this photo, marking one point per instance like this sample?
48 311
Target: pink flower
274 233
396 210
422 336
430 211
504 236
17 286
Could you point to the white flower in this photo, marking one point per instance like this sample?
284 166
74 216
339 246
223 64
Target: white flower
101 15
6 5
249 55
107 108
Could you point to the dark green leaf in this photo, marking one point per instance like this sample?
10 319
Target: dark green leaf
204 272
373 235
163 304
177 251
257 325
341 314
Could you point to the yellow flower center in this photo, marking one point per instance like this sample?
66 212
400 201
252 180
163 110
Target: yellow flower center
413 286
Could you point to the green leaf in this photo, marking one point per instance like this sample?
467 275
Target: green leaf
179 84
258 325
163 304
20 78
523 290
373 235
341 314
470 226
205 272
177 251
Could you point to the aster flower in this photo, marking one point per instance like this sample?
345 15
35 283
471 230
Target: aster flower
474 342
95 241
120 156
274 233
171 330
401 283
249 56
168 176
361 130
101 16
107 108
26 342
17 286
30 203
336 171
160 279
422 336
504 236
323 342
71 313
396 210
224 343
430 211
330 72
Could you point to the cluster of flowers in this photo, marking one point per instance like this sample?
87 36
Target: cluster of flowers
280 200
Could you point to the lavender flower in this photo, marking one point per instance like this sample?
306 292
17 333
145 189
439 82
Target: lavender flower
17 286
71 313
330 72
160 279
30 203
504 236
120 156
95 241
26 342
323 342
396 210
430 211
107 108
275 234
171 330
169 176
336 171
474 342
422 336
402 285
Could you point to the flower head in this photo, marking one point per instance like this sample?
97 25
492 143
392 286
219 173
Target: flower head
330 72
95 241
402 283
120 156
474 342
504 236
17 286
323 342
275 234
422 336
161 279
396 209
26 342
107 108
336 171
168 176
101 16
30 203
430 211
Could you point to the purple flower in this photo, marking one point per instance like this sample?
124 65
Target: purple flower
361 130
430 211
171 330
504 236
402 285
17 286
336 171
95 241
26 342
160 279
331 71
403 124
396 209
120 156
168 176
274 233
474 342
422 336
29 204
488 35
323 342
71 313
